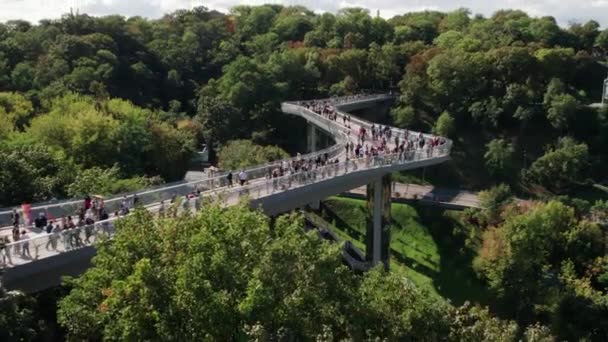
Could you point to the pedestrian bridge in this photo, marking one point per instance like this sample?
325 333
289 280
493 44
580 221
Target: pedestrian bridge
54 255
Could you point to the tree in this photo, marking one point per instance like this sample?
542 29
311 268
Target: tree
493 201
444 125
562 109
404 116
457 20
171 151
560 167
601 41
19 318
535 261
519 258
225 274
556 62
32 172
15 110
473 323
106 182
293 27
499 157
23 76
239 154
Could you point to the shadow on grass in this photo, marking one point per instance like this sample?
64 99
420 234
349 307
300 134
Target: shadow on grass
456 279
450 271
337 220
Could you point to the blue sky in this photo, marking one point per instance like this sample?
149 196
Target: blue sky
564 11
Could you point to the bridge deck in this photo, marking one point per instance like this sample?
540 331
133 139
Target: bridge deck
274 195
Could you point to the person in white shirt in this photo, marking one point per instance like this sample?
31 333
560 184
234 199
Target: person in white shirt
242 177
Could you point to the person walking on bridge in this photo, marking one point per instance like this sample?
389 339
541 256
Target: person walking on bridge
229 178
15 218
25 246
41 221
4 251
16 237
243 177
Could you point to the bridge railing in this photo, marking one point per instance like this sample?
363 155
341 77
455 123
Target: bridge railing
156 194
217 187
45 245
64 208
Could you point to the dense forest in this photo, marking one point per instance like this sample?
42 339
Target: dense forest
113 88
111 104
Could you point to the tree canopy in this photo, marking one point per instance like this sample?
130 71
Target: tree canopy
230 274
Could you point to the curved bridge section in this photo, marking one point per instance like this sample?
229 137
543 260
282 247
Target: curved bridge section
68 252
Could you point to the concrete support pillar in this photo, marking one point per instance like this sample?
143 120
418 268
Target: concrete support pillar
312 137
378 235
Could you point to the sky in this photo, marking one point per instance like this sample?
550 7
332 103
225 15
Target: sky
565 11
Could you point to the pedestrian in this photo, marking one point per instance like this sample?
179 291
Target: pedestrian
229 179
49 227
185 203
197 203
65 232
242 177
16 237
87 202
53 237
124 206
135 201
25 246
15 218
40 221
161 209
4 251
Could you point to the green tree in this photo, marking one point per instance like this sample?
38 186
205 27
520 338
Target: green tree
499 157
601 41
560 167
23 76
225 274
32 173
19 318
15 110
523 258
562 109
106 182
238 154
404 116
444 125
473 323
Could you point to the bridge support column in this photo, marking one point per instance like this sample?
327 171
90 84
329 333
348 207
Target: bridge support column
312 137
378 235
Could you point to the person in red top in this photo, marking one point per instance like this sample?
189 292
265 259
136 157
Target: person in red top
87 202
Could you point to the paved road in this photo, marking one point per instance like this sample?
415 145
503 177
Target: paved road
453 197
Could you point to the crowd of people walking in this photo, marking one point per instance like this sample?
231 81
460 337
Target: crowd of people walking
366 145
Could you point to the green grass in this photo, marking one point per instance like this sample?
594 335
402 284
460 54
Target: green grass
423 248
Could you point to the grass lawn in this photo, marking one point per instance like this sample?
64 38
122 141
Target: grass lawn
422 247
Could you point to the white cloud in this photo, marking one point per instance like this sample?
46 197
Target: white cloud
564 11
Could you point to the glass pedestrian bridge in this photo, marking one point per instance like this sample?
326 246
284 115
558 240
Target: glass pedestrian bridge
273 195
